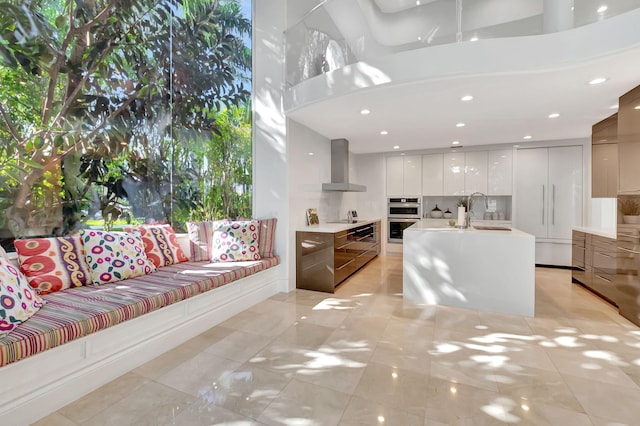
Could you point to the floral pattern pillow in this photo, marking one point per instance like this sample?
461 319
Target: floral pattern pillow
115 256
235 242
18 301
53 264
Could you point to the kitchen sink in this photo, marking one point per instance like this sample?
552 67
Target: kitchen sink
491 228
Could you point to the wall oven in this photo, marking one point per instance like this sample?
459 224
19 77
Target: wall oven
397 226
401 214
404 208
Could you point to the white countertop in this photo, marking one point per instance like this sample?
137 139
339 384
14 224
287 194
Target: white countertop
425 225
332 228
603 232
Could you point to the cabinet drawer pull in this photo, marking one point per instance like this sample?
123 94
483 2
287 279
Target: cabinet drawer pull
622 234
605 255
341 267
603 278
629 251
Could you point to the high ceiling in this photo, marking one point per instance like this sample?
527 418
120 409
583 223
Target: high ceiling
421 114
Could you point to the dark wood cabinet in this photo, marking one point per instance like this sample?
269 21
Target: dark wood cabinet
629 142
325 259
604 158
594 264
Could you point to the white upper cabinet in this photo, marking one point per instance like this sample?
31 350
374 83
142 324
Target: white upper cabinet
465 173
432 174
404 175
453 173
412 178
500 172
475 172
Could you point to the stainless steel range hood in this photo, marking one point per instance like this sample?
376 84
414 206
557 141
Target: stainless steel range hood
340 169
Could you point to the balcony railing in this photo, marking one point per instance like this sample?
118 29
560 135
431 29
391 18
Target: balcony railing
337 33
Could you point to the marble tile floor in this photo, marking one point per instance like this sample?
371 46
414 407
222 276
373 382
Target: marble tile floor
364 356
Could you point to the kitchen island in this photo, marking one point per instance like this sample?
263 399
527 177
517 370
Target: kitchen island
486 269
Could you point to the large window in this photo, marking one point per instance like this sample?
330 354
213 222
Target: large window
123 112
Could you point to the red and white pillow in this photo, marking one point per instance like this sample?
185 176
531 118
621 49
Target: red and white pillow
53 264
161 244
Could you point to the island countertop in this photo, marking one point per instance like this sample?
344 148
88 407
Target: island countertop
333 227
491 270
424 225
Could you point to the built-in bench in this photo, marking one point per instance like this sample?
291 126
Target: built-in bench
87 336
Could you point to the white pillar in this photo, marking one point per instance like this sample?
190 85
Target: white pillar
557 15
270 169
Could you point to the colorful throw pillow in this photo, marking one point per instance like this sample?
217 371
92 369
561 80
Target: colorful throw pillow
161 244
53 264
266 234
18 301
200 238
115 256
236 241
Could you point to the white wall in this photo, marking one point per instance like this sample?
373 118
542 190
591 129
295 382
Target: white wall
270 185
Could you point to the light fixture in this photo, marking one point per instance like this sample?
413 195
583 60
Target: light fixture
527 137
455 143
384 132
603 8
597 80
460 125
554 115
417 2
396 147
466 98
636 107
311 153
614 106
365 111
474 38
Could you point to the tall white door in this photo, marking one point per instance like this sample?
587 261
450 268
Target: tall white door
549 191
453 180
395 176
412 175
532 191
565 191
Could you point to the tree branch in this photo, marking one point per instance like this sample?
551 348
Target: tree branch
7 120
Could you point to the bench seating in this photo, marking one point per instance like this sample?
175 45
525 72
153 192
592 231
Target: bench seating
86 336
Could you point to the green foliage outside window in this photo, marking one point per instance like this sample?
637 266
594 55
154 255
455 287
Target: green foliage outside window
118 112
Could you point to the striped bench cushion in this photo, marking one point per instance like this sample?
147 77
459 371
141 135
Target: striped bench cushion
80 311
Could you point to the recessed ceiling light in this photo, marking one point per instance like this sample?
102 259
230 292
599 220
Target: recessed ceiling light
554 115
466 98
598 80
527 137
455 143
402 153
311 153
396 147
636 107
460 125
417 2
614 106
603 8
365 112
419 38
474 38
384 132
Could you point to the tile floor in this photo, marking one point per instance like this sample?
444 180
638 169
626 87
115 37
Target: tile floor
363 356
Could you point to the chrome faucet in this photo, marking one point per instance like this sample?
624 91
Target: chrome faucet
467 221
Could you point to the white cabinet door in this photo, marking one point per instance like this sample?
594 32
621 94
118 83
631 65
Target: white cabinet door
432 174
453 179
532 191
475 172
565 191
412 175
395 176
500 177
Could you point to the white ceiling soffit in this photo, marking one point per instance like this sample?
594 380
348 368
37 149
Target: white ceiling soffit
516 83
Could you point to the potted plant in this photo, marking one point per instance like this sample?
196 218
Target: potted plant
630 210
